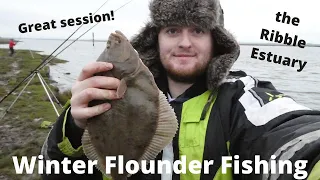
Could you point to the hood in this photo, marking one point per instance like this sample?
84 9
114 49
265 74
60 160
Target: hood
206 14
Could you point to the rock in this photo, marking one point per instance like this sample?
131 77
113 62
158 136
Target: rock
5 126
37 119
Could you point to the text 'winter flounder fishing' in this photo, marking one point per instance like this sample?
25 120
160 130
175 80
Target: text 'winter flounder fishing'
258 166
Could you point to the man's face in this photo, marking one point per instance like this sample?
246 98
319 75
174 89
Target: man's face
185 52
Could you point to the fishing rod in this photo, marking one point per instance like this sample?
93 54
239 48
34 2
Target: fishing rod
32 72
80 37
40 65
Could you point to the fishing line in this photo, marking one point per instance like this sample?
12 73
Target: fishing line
80 37
40 65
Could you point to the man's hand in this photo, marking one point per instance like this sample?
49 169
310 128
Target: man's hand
88 88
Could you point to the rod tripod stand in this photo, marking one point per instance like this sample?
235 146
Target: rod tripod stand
45 86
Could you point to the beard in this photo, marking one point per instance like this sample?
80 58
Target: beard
186 75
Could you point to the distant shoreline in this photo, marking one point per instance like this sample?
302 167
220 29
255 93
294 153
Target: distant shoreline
275 44
240 43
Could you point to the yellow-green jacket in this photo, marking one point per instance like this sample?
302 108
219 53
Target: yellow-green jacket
244 117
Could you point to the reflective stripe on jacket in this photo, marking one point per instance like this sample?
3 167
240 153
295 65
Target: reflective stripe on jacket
245 117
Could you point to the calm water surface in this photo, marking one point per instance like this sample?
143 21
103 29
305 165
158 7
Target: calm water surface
302 86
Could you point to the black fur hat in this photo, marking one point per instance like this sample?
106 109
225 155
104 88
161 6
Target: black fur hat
207 14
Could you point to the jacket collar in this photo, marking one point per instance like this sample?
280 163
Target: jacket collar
196 89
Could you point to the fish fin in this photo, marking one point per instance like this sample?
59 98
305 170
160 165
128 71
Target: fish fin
165 132
122 88
91 154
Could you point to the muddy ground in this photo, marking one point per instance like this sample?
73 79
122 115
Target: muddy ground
21 133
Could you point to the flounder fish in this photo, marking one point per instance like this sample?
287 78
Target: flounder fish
140 124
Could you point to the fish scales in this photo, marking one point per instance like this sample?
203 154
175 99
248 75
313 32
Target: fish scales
131 127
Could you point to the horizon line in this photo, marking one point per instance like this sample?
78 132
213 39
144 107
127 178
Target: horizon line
245 43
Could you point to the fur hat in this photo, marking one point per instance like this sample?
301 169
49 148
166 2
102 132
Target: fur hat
206 14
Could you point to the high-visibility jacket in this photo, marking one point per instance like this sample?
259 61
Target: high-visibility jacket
244 119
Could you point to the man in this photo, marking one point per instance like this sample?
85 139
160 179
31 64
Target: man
11 45
220 112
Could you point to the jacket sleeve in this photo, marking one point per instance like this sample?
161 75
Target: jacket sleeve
267 125
64 142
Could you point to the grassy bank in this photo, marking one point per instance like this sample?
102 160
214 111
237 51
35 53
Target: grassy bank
20 129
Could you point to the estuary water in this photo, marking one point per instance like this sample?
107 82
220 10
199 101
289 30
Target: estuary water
302 86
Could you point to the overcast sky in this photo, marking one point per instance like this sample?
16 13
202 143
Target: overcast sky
244 18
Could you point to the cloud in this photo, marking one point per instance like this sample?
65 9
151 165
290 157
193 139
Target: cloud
245 19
